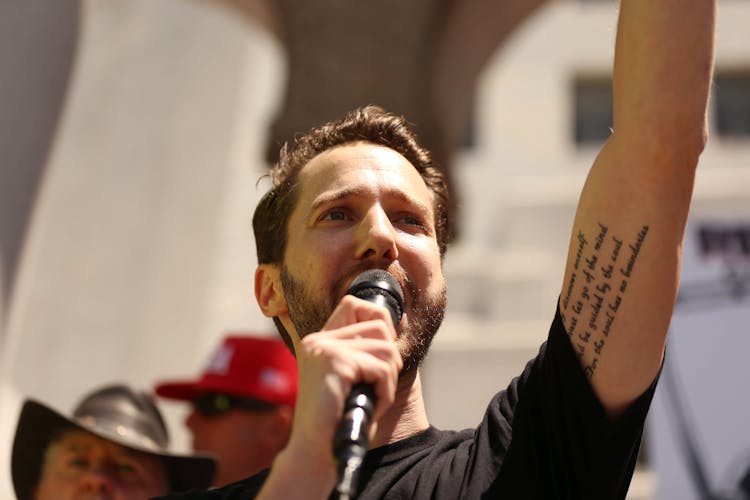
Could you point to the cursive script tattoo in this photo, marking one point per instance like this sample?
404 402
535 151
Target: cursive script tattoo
602 267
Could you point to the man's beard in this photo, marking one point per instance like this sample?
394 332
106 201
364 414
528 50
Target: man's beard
309 314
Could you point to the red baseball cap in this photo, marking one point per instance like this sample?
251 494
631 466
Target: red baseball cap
247 366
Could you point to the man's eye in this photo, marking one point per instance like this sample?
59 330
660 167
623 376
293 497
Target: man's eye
412 220
125 468
334 214
78 463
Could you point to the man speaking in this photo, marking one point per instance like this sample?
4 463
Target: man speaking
361 194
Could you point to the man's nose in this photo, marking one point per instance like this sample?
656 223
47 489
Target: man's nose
376 236
97 480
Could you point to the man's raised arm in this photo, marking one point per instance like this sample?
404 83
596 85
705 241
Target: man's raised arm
622 271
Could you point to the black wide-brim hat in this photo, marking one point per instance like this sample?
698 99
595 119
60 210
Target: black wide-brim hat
132 428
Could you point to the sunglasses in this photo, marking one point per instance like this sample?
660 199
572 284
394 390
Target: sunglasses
211 404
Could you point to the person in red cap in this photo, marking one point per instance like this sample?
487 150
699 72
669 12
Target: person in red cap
242 404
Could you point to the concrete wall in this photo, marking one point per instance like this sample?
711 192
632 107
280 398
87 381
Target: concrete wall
139 254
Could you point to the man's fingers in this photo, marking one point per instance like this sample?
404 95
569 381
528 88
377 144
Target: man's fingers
351 310
363 352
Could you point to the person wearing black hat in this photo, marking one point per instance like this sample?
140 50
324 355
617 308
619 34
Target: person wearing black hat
114 446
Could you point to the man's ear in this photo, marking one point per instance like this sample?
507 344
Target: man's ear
268 290
282 423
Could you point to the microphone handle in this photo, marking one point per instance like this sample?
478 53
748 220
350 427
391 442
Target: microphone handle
352 438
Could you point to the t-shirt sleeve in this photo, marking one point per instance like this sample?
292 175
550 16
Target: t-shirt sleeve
552 435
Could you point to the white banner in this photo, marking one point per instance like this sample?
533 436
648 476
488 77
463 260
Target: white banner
699 425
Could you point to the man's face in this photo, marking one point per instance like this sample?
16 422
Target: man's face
363 206
81 465
244 441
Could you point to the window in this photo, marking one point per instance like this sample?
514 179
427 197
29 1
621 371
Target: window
593 110
732 104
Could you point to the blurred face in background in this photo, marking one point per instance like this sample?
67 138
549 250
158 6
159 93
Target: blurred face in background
244 435
80 465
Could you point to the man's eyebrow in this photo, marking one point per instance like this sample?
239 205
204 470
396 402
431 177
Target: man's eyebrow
75 446
355 191
337 195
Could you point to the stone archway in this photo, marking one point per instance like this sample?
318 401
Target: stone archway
420 59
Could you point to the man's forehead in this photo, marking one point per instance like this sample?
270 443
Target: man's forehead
80 440
78 436
364 164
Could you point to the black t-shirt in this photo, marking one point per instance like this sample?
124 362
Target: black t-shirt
545 437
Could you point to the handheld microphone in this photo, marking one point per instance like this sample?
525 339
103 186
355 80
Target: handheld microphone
351 440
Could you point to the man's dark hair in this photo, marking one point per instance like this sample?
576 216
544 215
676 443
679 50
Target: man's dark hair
368 124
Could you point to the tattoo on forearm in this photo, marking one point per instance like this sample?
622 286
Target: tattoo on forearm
601 270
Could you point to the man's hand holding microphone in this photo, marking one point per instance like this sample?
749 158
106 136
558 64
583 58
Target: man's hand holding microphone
351 370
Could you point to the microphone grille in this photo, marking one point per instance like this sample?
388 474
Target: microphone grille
377 278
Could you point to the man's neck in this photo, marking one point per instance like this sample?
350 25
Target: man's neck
407 415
